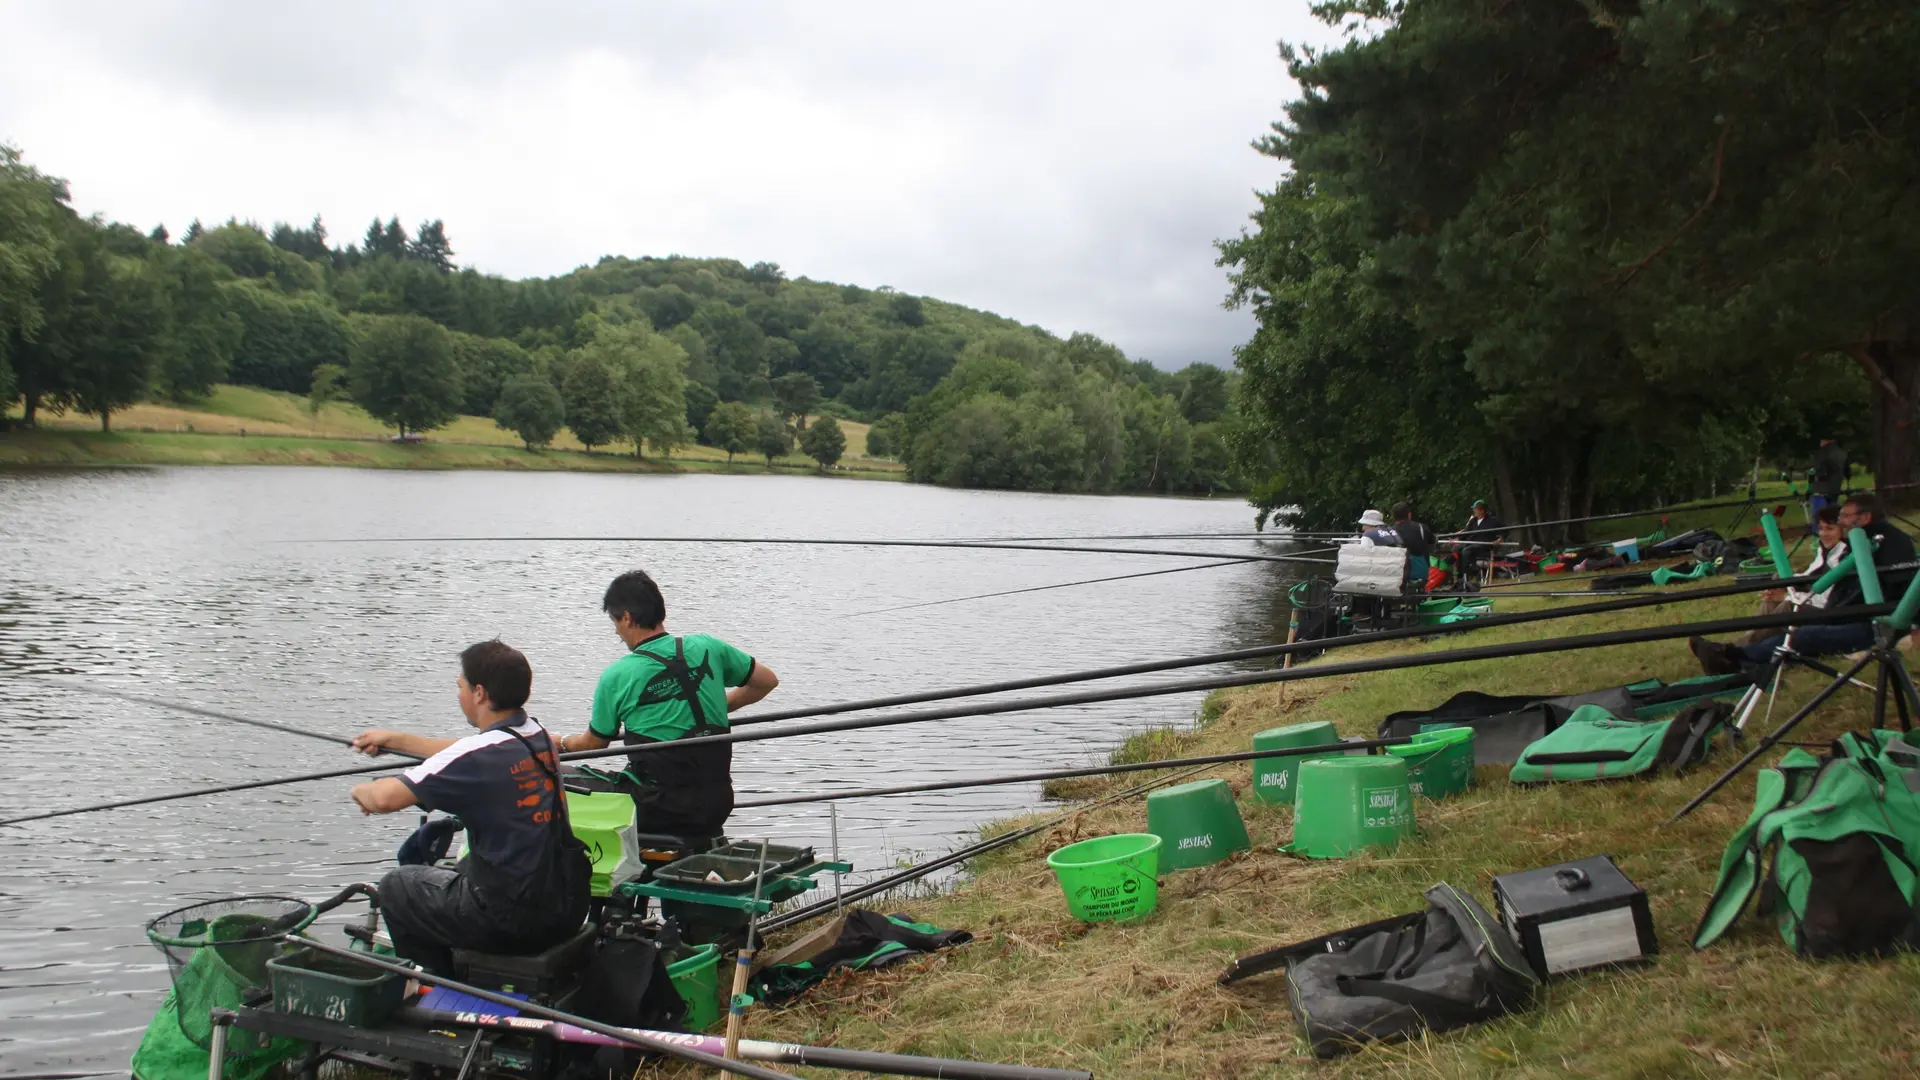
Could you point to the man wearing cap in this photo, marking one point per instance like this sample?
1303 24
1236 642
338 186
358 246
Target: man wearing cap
1374 531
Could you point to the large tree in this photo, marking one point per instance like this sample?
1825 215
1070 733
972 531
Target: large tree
403 372
730 427
824 442
31 211
531 408
591 394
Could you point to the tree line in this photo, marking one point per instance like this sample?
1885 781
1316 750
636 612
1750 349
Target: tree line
653 352
1583 255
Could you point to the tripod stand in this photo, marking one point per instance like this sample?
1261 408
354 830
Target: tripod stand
1892 678
1782 656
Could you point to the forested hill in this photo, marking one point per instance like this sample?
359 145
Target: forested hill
646 352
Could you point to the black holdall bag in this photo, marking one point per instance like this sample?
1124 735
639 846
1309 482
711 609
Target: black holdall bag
1434 970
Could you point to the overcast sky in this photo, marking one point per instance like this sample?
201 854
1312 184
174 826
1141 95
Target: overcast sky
1064 164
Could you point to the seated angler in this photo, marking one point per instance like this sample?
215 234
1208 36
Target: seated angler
1417 538
522 886
1891 549
666 689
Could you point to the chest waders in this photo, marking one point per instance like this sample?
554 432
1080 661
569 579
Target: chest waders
686 791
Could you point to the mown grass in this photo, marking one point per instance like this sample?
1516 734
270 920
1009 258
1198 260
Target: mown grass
1140 1000
242 425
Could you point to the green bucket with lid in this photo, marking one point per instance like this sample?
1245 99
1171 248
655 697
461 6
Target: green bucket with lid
1197 824
1439 763
1348 804
1110 878
1273 778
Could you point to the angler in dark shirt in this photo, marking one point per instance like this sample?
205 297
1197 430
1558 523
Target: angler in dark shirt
1891 548
1482 535
1827 477
1417 538
522 886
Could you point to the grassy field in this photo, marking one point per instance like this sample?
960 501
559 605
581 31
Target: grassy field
241 425
1141 1001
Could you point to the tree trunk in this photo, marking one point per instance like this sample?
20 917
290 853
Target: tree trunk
32 407
104 415
1891 359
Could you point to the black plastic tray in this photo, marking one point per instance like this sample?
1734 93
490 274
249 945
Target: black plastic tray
691 872
780 857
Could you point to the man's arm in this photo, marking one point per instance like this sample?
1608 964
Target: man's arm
374 741
383 796
758 685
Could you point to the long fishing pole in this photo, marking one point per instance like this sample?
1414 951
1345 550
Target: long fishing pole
773 1053
215 714
918 871
1044 588
1069 774
626 1036
1780 620
971 544
1261 652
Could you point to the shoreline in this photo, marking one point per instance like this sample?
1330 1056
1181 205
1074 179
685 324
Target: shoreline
57 448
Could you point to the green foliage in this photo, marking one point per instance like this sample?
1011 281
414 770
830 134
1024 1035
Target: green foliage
202 336
591 397
731 427
245 250
796 394
887 435
772 438
329 386
824 442
31 208
530 407
283 339
404 372
1204 398
486 365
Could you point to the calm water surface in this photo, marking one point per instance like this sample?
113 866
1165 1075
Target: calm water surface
197 585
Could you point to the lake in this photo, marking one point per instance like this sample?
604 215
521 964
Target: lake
206 586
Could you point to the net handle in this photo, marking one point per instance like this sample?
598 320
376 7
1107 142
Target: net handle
308 913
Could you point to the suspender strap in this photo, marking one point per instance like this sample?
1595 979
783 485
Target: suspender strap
688 683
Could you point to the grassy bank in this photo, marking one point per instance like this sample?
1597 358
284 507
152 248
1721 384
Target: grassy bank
241 425
1140 1000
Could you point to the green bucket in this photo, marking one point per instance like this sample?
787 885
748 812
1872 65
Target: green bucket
1439 763
1110 877
1346 804
697 979
1197 823
1273 778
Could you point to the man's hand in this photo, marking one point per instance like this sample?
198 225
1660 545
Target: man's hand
363 796
1774 596
383 796
371 742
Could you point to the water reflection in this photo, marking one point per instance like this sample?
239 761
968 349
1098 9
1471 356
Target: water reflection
181 583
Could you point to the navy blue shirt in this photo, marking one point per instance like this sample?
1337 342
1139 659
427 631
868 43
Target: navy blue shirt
504 797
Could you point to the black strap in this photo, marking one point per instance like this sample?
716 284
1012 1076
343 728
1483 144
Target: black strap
688 683
559 792
1337 942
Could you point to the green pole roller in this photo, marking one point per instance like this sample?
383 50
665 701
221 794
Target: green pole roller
1840 570
1350 804
1273 778
1197 824
1902 617
1861 545
1778 547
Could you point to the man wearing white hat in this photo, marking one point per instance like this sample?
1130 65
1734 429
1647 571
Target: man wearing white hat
1374 531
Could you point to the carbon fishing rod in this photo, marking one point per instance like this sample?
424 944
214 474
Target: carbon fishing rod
773 1053
918 871
1068 774
1044 588
215 714
1483 622
971 544
626 1036
1261 652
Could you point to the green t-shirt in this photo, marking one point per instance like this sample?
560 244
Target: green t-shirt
637 694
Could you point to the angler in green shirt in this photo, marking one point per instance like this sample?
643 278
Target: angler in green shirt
668 688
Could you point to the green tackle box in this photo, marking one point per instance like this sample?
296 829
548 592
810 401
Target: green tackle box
307 982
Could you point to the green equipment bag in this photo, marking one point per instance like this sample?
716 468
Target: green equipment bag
1594 744
1843 833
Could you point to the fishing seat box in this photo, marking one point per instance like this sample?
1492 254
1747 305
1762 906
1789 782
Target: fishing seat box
544 975
1576 916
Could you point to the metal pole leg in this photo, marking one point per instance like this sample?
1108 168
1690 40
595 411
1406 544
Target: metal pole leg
1779 733
217 1053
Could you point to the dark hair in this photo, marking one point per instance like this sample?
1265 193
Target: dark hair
1867 503
634 595
1402 510
1827 515
502 669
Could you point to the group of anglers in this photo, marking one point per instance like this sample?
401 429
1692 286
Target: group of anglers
523 884
1477 540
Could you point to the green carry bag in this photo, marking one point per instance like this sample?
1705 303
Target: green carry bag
1594 744
1843 834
